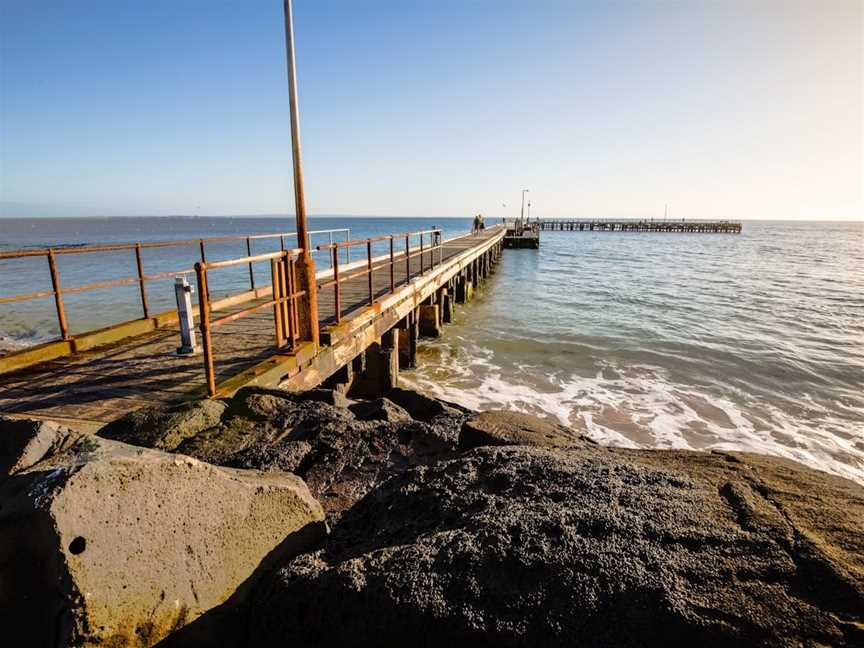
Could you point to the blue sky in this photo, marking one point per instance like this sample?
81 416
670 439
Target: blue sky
727 109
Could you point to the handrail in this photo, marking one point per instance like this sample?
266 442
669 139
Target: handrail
213 265
146 245
141 278
329 246
435 244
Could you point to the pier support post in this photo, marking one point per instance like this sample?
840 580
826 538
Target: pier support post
440 295
429 321
381 373
343 379
447 306
464 290
407 342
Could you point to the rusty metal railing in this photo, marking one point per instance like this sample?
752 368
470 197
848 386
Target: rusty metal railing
432 243
140 277
283 301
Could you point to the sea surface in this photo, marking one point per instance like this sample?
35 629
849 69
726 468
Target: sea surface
735 342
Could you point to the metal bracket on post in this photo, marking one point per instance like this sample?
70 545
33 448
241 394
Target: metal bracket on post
183 293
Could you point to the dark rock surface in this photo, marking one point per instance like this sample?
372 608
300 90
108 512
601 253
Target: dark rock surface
587 546
341 453
504 427
164 428
554 541
380 409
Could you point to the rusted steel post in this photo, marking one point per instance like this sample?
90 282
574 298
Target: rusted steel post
58 295
141 286
305 265
369 269
392 275
277 305
290 313
203 257
336 305
204 316
251 272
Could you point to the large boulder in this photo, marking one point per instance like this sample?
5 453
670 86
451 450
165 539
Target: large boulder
103 543
505 427
584 546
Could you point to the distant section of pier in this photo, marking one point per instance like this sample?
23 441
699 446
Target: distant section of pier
521 234
638 225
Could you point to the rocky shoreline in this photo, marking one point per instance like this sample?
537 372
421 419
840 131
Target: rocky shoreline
311 520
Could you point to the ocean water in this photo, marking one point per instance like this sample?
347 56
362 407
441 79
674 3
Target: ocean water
23 323
736 342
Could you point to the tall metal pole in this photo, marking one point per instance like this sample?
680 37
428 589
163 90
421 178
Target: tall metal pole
305 265
522 215
299 197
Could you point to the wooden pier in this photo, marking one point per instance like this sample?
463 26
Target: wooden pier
643 225
370 313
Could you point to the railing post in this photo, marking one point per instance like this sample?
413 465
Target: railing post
392 275
141 287
369 269
277 305
251 272
421 253
204 316
58 295
289 311
336 305
407 258
348 247
203 260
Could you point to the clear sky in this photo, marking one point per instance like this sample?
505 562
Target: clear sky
735 109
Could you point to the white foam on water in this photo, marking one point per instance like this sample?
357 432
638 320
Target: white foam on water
638 406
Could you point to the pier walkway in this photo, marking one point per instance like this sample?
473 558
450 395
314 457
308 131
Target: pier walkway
255 337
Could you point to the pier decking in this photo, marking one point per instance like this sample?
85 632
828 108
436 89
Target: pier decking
643 225
99 382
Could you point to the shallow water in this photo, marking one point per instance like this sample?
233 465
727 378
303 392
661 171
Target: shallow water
751 342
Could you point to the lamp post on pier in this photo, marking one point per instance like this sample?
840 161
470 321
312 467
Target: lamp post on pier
522 215
305 265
